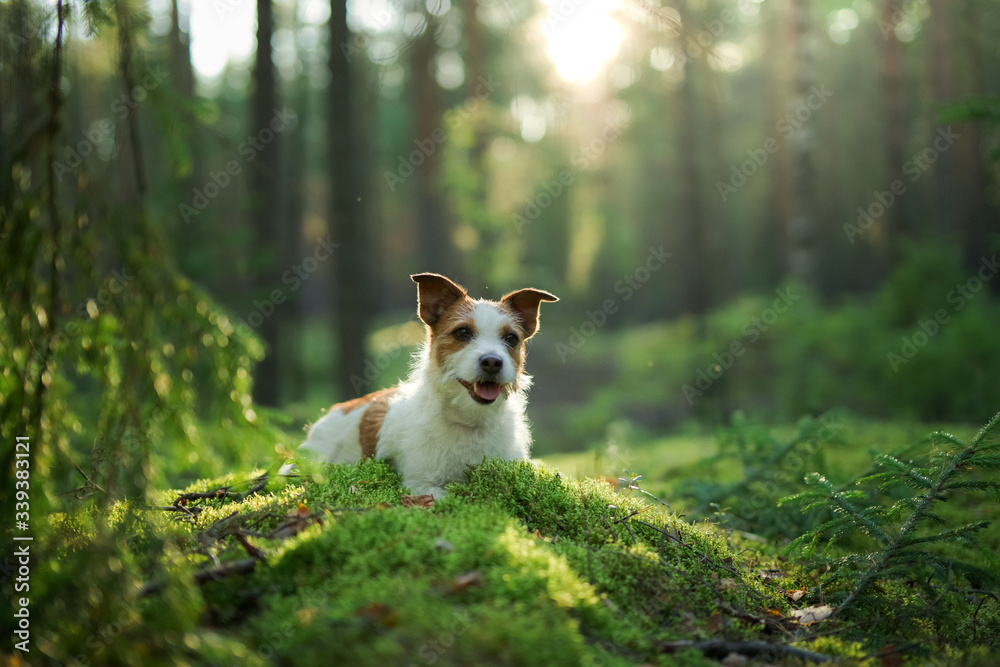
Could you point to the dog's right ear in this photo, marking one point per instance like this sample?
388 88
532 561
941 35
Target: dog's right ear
434 294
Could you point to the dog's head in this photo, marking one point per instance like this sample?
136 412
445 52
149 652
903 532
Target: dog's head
475 343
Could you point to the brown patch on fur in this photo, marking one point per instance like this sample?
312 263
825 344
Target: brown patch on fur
371 421
349 406
442 343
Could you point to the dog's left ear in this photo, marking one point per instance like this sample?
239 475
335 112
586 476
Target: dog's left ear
525 304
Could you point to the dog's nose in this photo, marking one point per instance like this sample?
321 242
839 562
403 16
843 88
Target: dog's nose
491 363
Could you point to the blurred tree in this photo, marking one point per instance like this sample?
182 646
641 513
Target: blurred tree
352 266
434 243
183 140
777 61
894 121
265 184
802 226
692 217
946 209
979 216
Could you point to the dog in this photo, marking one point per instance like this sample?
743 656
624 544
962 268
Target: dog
464 398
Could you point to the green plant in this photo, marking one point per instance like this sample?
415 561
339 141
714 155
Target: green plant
923 554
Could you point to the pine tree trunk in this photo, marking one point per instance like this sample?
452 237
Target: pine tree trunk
894 118
433 239
944 173
801 227
694 252
352 274
981 218
265 188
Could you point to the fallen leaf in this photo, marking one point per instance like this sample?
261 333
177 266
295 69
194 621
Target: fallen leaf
717 622
796 595
425 500
890 656
380 613
727 584
735 660
300 512
467 580
769 574
810 615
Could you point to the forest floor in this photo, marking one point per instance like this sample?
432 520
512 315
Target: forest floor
565 562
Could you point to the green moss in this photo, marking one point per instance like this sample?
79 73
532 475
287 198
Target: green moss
518 565
515 566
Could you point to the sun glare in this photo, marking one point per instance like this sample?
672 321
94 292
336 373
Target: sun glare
582 37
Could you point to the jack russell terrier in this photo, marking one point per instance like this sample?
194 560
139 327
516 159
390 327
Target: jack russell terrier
463 401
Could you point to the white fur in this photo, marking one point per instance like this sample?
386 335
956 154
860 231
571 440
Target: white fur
433 428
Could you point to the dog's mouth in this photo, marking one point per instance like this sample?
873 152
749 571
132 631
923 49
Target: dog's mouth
483 392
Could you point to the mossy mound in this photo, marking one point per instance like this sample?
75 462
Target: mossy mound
516 566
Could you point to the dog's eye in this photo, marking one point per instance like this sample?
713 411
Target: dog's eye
511 340
462 333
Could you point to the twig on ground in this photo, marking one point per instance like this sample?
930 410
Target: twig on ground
719 649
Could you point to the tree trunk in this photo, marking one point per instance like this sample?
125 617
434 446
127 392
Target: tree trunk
189 238
694 252
801 228
351 258
773 238
434 242
894 117
944 173
265 186
981 218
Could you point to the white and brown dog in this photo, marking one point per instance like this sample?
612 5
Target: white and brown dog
463 401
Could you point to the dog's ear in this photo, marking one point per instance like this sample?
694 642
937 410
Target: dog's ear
525 304
434 294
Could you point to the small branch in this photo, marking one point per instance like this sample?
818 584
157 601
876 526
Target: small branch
719 649
230 569
234 568
223 492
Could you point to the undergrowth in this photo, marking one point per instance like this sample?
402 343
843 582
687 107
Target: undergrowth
904 553
520 565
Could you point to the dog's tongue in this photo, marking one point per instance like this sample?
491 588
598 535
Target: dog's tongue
488 391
